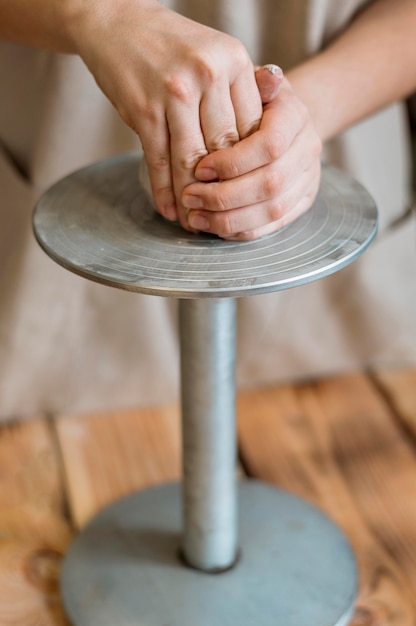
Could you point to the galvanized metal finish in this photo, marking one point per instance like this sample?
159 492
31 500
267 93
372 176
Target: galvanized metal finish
296 567
207 335
100 224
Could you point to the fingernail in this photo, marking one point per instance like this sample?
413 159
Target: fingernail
198 222
170 212
192 202
274 69
206 173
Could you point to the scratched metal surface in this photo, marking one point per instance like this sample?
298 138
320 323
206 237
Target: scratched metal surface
99 223
296 567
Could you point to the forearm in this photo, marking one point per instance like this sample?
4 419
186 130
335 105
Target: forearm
370 65
41 23
49 24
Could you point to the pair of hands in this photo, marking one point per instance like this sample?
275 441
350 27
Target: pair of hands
226 154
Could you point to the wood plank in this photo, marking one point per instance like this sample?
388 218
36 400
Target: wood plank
109 455
34 532
336 444
399 387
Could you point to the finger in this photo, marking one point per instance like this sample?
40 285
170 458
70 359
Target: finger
246 101
303 205
268 144
187 147
259 185
269 79
217 118
227 223
157 153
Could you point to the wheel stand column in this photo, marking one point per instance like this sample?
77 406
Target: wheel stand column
207 338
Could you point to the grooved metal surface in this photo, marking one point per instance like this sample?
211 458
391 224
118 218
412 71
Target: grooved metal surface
99 223
296 567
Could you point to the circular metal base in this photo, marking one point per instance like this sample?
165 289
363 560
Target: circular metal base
296 567
99 223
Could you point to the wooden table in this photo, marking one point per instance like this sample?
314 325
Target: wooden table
347 444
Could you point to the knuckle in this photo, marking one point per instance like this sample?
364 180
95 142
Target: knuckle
274 146
225 139
277 209
249 128
157 161
225 225
190 160
218 199
179 86
139 113
272 183
205 68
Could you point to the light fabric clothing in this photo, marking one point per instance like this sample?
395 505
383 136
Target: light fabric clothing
67 344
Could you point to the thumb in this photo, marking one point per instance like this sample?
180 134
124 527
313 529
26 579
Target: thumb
269 78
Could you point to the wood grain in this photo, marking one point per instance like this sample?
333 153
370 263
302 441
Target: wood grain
34 531
336 444
108 455
399 387
345 444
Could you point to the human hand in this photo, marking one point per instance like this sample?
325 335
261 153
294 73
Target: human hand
268 78
264 181
186 89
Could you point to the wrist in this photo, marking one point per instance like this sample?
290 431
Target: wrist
84 21
313 83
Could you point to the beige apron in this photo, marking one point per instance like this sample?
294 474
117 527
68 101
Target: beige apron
70 345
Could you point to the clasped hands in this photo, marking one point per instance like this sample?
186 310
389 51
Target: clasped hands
226 153
265 180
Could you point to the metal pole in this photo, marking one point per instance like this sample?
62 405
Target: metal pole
207 335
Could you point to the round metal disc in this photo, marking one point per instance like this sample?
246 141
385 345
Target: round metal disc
99 223
296 567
